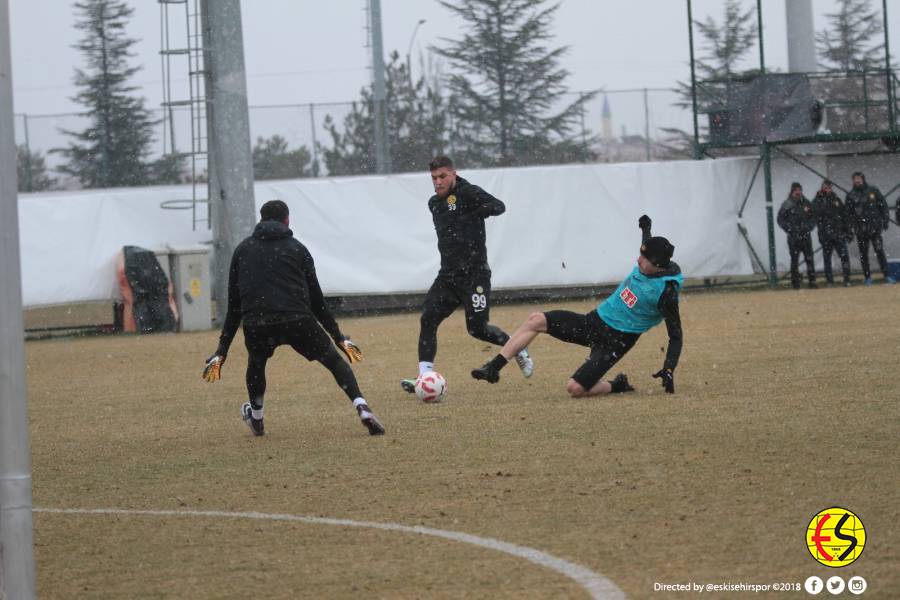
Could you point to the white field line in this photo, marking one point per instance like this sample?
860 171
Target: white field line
598 586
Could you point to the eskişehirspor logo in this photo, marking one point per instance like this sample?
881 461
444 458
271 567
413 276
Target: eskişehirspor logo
835 537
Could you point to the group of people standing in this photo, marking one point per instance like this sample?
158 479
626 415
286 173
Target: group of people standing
863 214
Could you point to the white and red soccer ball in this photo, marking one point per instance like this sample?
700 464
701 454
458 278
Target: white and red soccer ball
431 387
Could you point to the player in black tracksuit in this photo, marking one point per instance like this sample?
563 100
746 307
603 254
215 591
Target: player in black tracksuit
833 224
458 210
796 218
274 291
869 214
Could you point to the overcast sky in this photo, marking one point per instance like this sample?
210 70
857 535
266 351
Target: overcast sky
300 51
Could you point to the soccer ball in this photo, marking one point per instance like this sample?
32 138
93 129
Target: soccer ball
431 387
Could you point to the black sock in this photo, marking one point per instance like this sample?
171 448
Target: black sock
498 362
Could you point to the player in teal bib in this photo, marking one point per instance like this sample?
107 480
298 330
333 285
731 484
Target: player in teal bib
633 306
644 299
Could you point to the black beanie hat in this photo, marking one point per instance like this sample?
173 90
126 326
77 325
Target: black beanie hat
658 250
796 186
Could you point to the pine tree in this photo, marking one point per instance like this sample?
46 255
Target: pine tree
723 48
417 125
31 169
113 149
167 169
853 40
726 45
851 47
273 160
507 86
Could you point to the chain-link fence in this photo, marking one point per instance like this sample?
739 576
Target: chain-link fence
615 126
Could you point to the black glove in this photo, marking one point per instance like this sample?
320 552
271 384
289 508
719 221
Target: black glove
644 222
667 378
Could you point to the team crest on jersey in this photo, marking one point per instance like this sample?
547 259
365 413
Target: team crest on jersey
628 298
479 289
871 195
451 202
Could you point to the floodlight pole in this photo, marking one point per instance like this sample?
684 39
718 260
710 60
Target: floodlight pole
16 536
412 38
766 151
759 32
693 79
231 198
382 147
887 66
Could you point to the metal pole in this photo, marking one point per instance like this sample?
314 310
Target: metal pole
887 69
759 31
29 173
315 148
693 80
801 37
584 148
866 98
452 135
409 52
231 200
647 123
770 217
16 541
382 148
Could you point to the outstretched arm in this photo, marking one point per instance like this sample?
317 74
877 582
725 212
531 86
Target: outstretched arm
233 314
668 307
644 223
317 301
885 213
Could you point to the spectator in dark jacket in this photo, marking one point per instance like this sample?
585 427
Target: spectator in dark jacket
796 219
833 224
869 215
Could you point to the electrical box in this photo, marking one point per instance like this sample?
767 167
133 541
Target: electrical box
193 292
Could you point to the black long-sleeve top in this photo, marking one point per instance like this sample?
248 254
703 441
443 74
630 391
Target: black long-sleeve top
868 210
272 279
459 224
668 308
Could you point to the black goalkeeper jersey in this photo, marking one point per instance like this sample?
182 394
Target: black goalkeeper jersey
272 279
459 223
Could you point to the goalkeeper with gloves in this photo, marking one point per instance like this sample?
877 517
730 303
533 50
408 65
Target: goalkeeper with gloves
274 291
646 297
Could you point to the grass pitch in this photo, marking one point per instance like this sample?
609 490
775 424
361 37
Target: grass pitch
786 404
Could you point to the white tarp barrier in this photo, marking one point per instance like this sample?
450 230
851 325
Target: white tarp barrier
564 225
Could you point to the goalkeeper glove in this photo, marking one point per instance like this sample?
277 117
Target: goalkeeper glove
644 222
667 379
354 354
212 372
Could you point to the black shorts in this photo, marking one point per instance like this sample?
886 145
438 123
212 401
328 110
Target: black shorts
472 289
304 335
607 345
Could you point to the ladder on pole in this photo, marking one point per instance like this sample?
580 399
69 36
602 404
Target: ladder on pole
182 50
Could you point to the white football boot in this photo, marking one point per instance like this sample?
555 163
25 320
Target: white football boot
523 359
